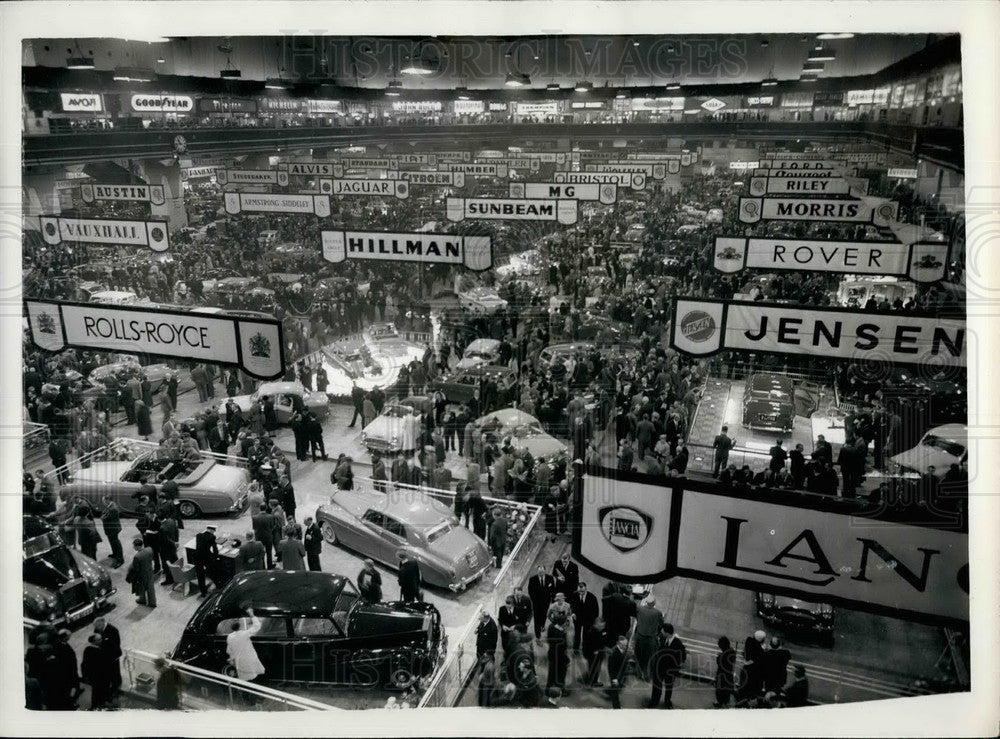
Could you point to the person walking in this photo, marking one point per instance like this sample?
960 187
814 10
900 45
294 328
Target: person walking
725 673
358 401
586 609
541 590
648 620
595 640
487 635
140 574
722 445
558 659
617 670
498 537
313 544
409 579
169 686
778 457
665 666
263 528
169 539
206 553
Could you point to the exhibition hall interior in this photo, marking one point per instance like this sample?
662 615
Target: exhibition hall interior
619 372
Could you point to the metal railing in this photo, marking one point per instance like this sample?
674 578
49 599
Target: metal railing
451 677
35 439
203 690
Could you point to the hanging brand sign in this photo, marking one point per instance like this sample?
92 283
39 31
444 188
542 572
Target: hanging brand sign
134 193
560 191
252 344
239 202
227 105
920 262
394 188
452 156
656 170
800 173
74 102
637 181
475 170
474 252
311 169
822 164
162 103
369 163
704 327
418 160
456 179
191 173
784 185
252 177
865 210
637 528
153 234
563 211
902 173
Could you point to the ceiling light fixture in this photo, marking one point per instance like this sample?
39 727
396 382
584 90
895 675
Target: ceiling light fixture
553 87
583 86
819 54
621 94
133 74
277 83
393 88
805 78
673 86
769 82
418 65
832 36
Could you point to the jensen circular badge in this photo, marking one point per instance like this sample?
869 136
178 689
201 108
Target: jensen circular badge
697 326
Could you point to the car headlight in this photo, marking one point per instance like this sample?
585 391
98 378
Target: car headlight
893 467
826 611
767 600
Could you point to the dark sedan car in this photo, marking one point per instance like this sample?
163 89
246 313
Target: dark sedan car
60 585
459 386
769 403
796 616
315 628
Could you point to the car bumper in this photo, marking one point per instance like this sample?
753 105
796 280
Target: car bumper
464 582
802 625
240 504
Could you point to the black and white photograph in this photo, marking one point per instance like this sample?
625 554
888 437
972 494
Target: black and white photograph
473 359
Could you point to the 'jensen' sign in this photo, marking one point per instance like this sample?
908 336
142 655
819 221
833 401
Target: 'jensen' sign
473 252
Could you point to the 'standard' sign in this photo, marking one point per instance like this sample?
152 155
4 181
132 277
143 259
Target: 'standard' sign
133 193
920 261
252 177
851 210
238 202
563 211
153 234
704 327
474 252
603 193
635 180
253 344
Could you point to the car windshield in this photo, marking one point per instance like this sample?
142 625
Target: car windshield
477 353
383 332
398 411
40 544
527 429
950 447
436 532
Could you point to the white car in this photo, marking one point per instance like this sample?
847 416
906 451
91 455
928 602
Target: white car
395 430
941 446
525 264
283 393
482 300
480 352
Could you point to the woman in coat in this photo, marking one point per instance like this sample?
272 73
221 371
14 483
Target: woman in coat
725 669
86 530
143 422
270 417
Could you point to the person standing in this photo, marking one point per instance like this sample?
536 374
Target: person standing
753 661
358 401
595 640
558 659
172 382
797 460
648 620
250 555
111 643
617 664
522 607
168 686
487 635
722 445
169 539
796 692
314 435
87 535
290 551
776 661
665 666
586 609
297 424
370 582
725 669
313 544
409 579
240 649
206 552
566 574
541 590
498 537
619 610
96 671
200 380
143 421
140 574
263 528
778 457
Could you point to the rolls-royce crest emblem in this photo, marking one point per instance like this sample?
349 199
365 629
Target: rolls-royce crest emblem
729 253
260 346
927 261
46 324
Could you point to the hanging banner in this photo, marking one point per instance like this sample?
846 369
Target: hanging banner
78 102
902 173
563 211
865 210
814 164
636 181
281 105
369 163
800 185
253 344
452 156
656 170
239 202
395 188
252 177
522 163
416 160
130 193
311 169
475 170
920 262
56 229
800 173
162 103
193 173
704 327
226 105
606 194
473 252
323 107
456 179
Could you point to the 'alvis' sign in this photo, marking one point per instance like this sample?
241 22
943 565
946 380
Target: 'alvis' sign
253 344
920 262
704 327
563 211
133 193
153 234
474 252
563 191
238 202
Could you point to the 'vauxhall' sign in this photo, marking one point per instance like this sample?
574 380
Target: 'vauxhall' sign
473 252
56 229
563 211
132 193
786 329
252 344
920 262
562 191
238 202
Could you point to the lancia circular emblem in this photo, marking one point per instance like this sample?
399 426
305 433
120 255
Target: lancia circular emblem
697 326
624 527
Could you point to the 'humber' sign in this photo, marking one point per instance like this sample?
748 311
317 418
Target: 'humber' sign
473 252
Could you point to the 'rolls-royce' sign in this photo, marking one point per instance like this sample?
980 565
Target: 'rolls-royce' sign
132 193
253 344
56 229
563 211
473 252
788 329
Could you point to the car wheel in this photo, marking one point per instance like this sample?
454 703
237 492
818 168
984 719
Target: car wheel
401 677
329 534
188 509
230 671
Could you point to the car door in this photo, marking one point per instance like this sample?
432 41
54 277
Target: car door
371 541
272 644
283 407
317 650
393 540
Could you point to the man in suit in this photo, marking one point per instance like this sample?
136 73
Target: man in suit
619 609
313 544
111 644
541 589
140 574
595 643
487 634
665 666
263 529
112 522
647 627
250 556
778 457
722 445
169 538
206 552
522 607
775 670
586 609
567 574
409 578
617 663
498 537
358 401
507 620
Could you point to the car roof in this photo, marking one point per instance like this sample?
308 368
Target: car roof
765 381
483 344
951 431
486 369
32 526
408 505
279 592
509 417
269 388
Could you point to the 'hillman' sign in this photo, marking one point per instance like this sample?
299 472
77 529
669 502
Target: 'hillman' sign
253 344
131 193
474 252
153 234
563 211
704 327
239 202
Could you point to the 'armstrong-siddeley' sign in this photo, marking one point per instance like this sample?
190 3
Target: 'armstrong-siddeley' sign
635 180
704 327
389 188
920 262
563 211
253 344
454 179
554 190
56 229
133 193
252 177
863 210
474 252
238 202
